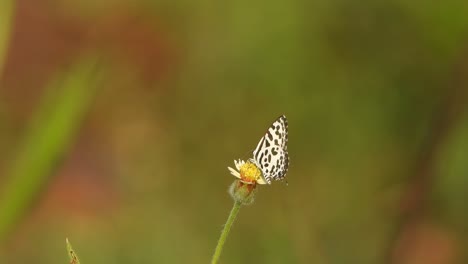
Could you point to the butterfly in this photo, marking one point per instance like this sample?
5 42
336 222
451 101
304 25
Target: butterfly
270 158
271 154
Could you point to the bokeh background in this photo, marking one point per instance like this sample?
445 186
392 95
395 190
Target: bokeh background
118 120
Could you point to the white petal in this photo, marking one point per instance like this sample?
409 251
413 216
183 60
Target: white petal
239 163
234 172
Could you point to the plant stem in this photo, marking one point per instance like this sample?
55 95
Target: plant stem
225 232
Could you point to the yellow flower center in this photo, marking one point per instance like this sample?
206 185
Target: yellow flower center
250 173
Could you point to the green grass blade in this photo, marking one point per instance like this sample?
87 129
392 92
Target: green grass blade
71 253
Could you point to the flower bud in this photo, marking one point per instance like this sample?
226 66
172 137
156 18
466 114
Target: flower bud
242 192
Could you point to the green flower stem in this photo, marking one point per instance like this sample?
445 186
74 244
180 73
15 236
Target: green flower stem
224 234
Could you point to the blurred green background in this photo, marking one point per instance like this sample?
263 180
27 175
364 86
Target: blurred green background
118 119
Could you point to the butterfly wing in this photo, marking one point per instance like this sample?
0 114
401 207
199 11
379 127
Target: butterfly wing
271 153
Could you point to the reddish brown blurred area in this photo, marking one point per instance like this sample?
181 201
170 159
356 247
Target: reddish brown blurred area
428 243
121 34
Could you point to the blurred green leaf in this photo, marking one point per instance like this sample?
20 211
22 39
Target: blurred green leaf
452 181
53 127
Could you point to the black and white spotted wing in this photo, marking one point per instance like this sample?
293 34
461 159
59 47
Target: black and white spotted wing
271 153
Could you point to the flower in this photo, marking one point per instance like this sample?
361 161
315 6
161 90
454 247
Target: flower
248 172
